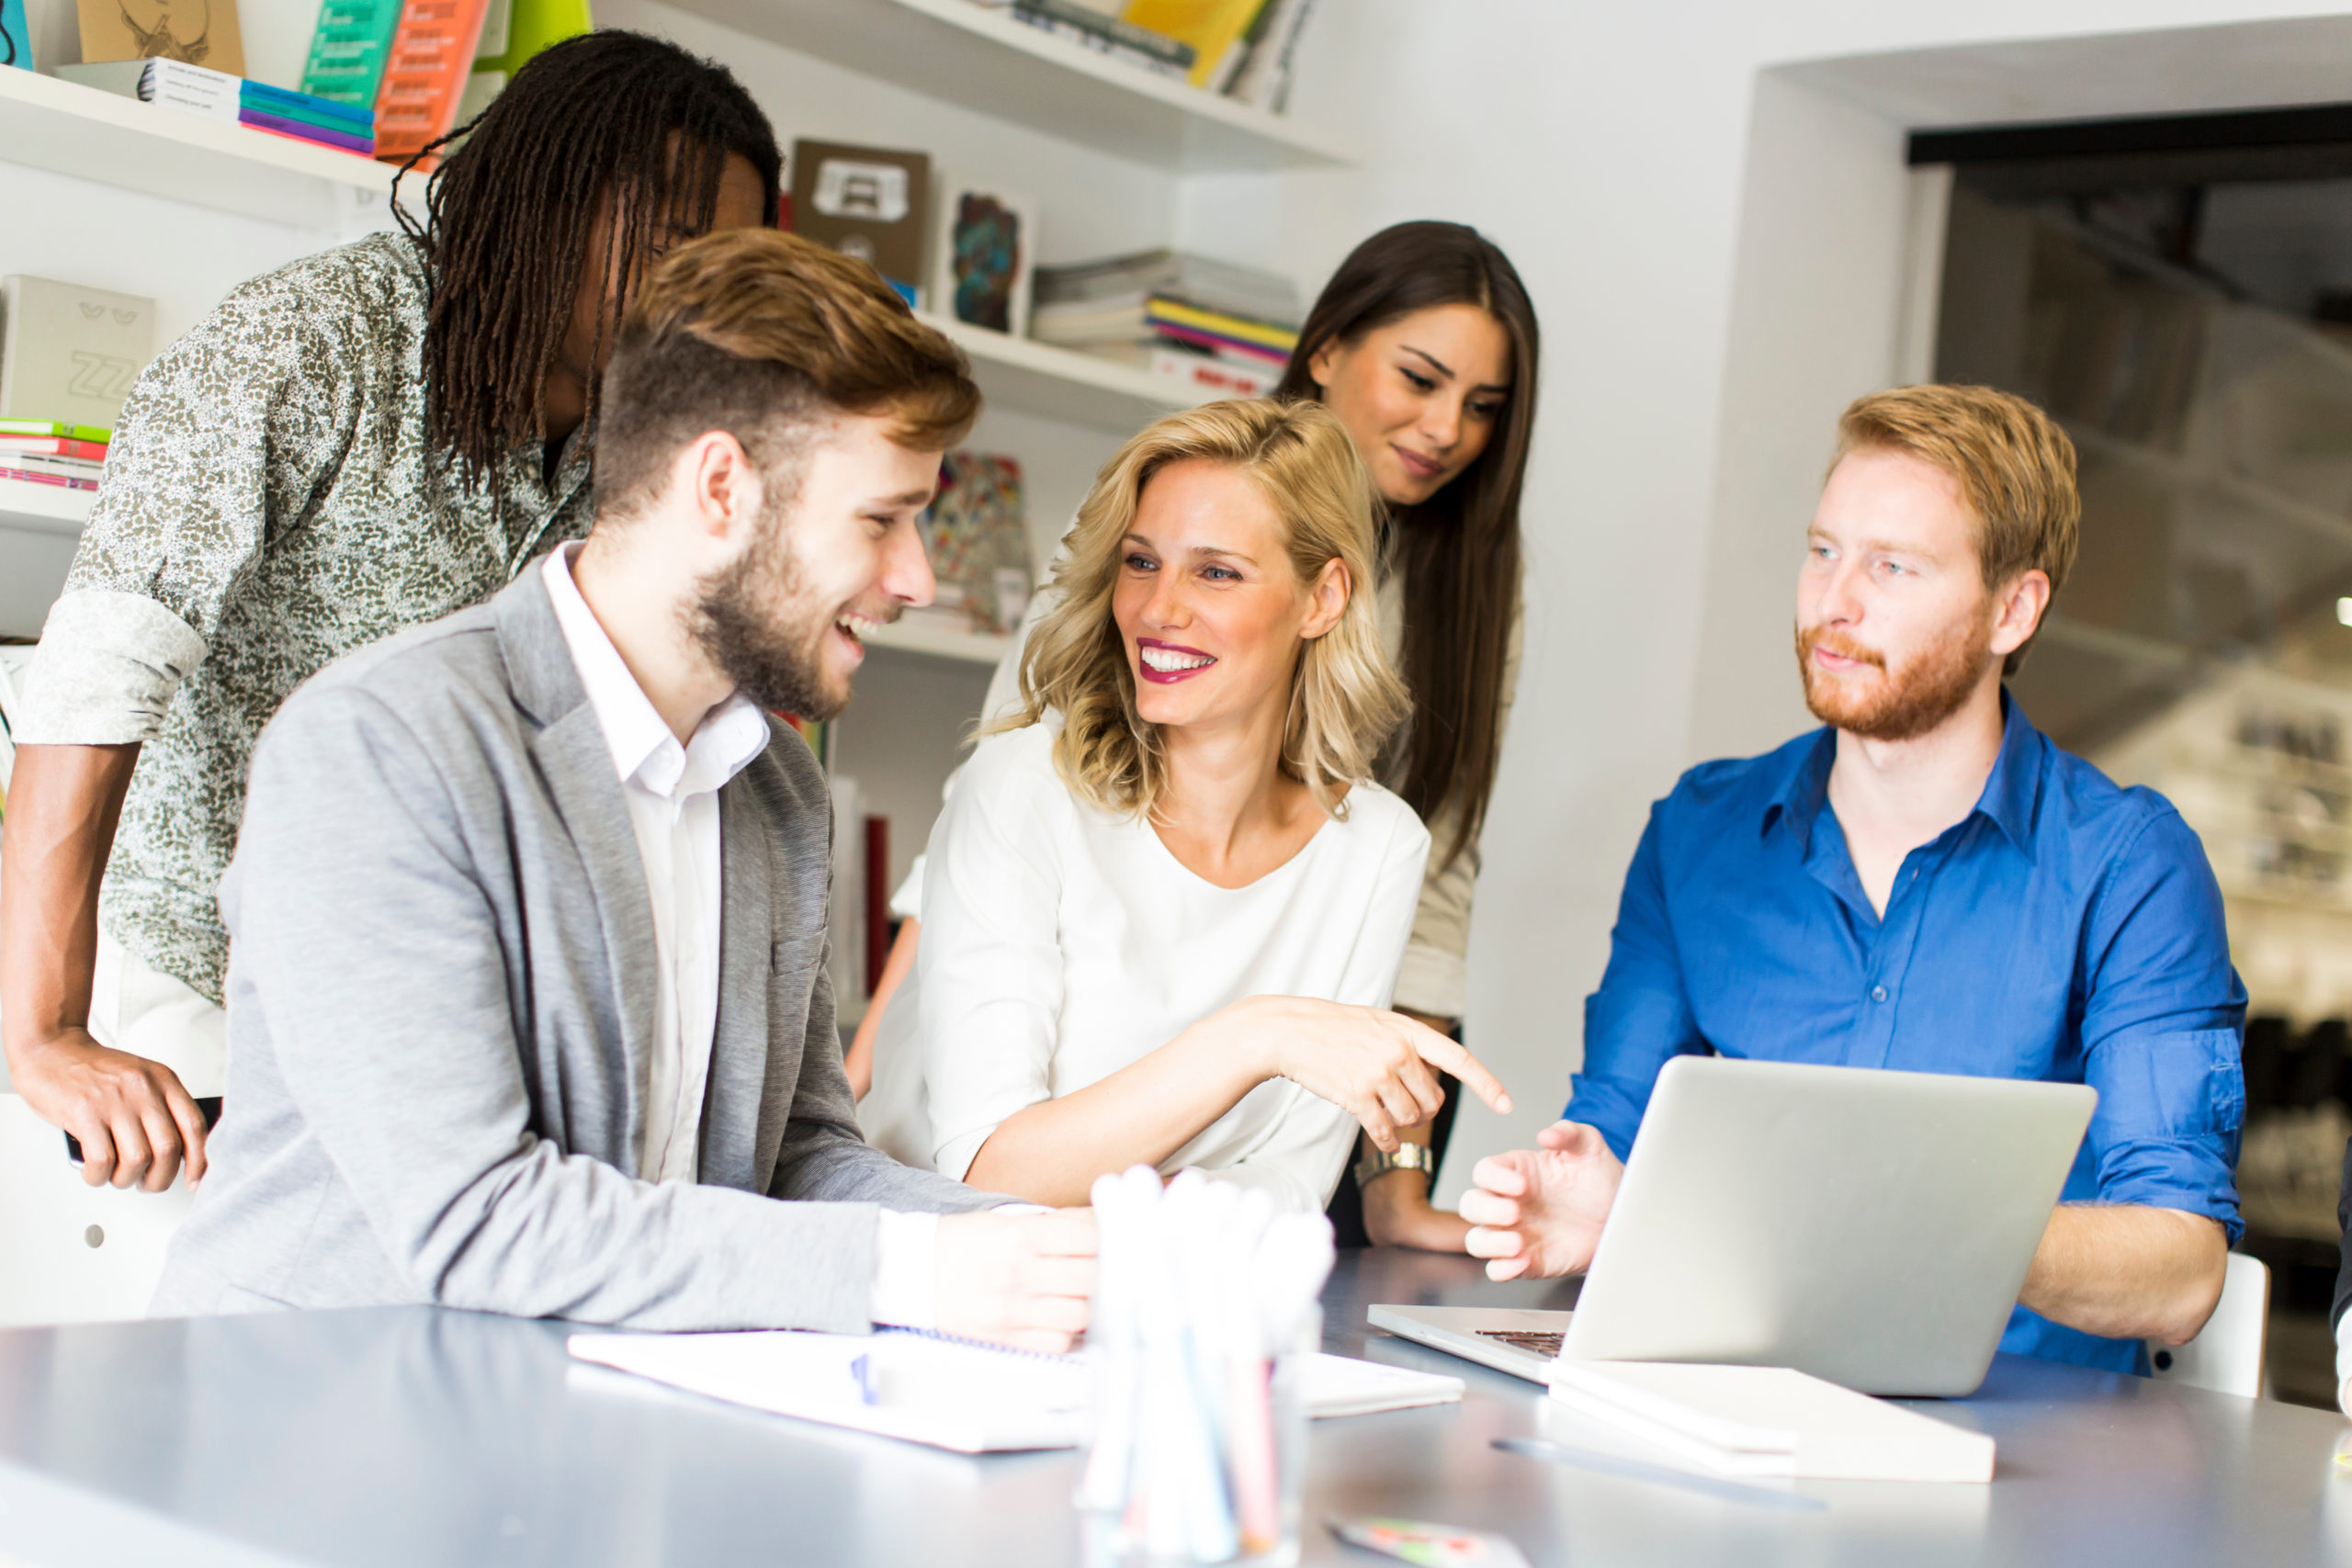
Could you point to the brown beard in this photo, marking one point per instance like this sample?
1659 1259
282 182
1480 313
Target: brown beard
760 624
1927 691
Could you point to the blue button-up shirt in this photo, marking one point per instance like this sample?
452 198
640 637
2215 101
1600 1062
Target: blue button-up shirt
2067 930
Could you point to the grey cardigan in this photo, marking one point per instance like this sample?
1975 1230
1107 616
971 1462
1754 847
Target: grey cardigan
440 993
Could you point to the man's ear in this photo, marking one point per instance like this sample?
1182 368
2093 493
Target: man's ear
2017 610
1327 596
719 483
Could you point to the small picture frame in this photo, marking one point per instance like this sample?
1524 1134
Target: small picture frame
984 257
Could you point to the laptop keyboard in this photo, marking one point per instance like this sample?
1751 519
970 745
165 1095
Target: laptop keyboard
1535 1341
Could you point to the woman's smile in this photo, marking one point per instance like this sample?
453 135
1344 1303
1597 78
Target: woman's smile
1165 663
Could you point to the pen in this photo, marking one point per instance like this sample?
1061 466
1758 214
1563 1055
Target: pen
1661 1476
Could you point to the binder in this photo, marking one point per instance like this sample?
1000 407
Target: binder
1772 1421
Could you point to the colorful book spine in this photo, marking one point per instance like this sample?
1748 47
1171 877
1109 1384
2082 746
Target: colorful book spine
1083 24
425 75
347 50
1212 29
14 426
1212 376
1214 343
16 36
349 118
302 131
53 447
1161 312
23 474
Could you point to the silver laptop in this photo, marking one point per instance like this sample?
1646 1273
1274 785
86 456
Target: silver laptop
1869 1227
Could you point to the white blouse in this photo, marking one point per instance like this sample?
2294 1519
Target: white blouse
1062 944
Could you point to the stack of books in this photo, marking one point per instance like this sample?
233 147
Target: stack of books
1243 50
35 451
215 95
1221 328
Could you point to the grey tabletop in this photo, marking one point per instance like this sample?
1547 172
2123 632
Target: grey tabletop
416 1437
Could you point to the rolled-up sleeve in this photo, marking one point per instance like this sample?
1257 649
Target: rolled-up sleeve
2164 1024
1640 1018
106 672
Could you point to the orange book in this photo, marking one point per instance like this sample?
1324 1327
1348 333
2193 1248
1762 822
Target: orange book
425 75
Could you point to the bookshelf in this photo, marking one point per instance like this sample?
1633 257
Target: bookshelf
73 129
43 509
1059 383
980 57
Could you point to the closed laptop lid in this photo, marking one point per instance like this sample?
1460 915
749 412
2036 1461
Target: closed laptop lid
1866 1226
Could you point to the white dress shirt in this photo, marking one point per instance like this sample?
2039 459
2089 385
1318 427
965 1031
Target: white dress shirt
672 795
1062 944
673 809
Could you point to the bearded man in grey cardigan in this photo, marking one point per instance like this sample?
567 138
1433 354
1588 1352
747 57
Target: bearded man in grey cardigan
527 1004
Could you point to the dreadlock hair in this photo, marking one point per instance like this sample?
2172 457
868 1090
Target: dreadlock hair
510 210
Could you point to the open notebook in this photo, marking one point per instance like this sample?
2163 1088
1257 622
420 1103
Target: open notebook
949 1394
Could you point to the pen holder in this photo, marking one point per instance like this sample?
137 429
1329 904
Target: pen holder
1205 1318
1212 1457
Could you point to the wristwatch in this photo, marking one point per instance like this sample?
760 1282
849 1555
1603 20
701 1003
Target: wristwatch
1408 1157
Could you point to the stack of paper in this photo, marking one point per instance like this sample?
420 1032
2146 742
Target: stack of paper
1770 1421
949 1394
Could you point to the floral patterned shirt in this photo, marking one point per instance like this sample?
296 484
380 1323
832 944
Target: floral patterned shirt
269 503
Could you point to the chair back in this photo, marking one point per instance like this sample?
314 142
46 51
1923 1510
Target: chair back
2226 1355
69 1252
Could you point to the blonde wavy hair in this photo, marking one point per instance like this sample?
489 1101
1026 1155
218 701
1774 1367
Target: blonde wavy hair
1345 699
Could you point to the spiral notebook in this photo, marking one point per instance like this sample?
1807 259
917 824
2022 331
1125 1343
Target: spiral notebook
949 1394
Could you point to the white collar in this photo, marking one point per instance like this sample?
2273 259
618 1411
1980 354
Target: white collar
643 750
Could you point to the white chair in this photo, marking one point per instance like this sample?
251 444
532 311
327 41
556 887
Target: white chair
69 1252
2226 1355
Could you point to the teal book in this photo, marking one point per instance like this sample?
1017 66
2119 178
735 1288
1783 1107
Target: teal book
348 48
16 37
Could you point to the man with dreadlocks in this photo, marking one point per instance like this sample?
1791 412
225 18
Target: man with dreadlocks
363 441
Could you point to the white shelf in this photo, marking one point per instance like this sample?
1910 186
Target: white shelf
73 129
44 509
983 59
1059 383
939 642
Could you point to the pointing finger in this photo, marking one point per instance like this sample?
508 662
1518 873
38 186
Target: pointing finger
1447 1054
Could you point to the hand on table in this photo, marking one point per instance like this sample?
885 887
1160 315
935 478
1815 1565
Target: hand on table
135 1120
1372 1063
1539 1210
1023 1280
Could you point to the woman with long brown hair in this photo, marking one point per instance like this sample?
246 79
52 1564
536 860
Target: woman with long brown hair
1425 345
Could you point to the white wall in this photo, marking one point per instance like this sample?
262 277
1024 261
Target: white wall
1719 268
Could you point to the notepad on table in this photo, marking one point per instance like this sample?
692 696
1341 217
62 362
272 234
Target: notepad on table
1770 1421
948 1394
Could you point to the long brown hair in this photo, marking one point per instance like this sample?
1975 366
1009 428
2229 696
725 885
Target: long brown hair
1459 550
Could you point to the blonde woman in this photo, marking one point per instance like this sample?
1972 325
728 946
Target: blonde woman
1165 906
